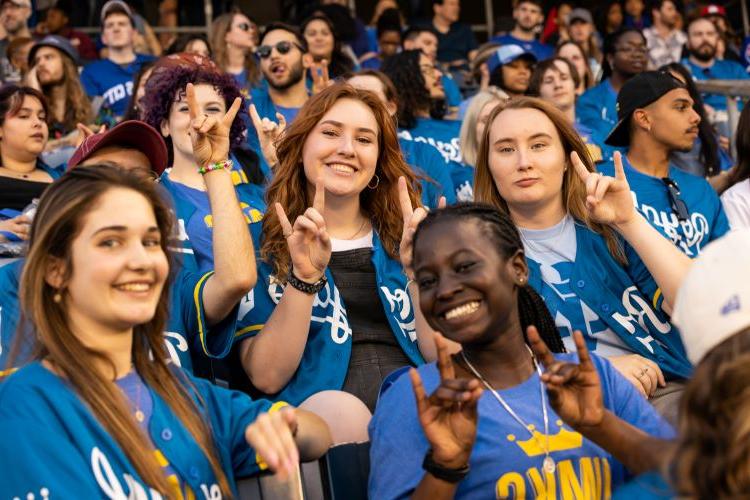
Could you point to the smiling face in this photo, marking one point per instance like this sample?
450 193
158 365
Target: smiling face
24 134
118 266
282 70
319 38
558 87
432 77
466 292
526 159
343 146
176 126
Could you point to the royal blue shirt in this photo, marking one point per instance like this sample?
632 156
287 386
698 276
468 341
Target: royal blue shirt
707 220
506 461
540 50
60 449
453 95
425 160
112 81
441 134
325 360
719 70
648 486
596 109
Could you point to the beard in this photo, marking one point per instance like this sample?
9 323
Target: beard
704 55
296 73
46 80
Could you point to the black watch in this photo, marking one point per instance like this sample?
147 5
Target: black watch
304 286
444 473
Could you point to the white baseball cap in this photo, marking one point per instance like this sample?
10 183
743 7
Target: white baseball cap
713 302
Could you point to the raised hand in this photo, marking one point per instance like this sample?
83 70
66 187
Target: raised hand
269 132
84 132
411 217
272 438
574 390
308 240
209 134
320 78
449 415
608 199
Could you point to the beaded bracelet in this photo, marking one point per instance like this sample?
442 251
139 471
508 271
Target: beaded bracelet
219 165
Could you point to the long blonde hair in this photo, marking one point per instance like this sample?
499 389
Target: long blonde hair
573 188
468 137
58 221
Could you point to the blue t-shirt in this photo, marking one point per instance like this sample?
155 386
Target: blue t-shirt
596 109
707 220
506 462
463 180
427 162
592 143
442 134
456 44
648 486
289 113
112 81
453 95
719 70
540 50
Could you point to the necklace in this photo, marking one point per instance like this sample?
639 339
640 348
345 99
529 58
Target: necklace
548 464
364 221
16 174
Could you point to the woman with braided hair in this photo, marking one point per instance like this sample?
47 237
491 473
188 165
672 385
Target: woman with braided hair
488 430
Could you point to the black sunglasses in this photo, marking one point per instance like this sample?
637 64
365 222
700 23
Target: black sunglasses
679 206
283 47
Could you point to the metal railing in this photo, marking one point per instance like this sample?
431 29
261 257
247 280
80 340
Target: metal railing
731 89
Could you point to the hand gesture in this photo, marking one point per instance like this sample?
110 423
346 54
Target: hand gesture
319 72
643 373
608 199
449 416
209 134
308 240
19 225
32 78
272 438
269 133
412 217
574 390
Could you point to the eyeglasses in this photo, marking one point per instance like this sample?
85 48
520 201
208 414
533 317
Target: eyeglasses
630 50
283 47
678 205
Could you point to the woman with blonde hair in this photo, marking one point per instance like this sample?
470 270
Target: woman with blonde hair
333 308
233 39
475 120
607 274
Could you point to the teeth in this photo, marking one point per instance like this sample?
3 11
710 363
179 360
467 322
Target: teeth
134 287
346 169
462 310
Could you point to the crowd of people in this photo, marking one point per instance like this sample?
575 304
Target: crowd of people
514 269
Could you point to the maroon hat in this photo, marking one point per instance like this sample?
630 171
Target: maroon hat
133 134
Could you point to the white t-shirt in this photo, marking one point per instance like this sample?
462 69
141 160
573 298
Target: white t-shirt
344 245
736 201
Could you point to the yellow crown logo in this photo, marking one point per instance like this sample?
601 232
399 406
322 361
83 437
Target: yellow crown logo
563 440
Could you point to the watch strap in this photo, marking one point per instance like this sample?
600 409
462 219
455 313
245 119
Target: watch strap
443 473
304 286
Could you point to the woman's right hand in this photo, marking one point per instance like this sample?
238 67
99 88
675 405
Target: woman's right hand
269 133
272 437
308 240
643 373
449 415
19 225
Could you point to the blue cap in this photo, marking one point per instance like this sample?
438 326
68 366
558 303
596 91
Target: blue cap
507 54
58 42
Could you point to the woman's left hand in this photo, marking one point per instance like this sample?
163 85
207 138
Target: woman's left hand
411 217
209 134
608 199
272 438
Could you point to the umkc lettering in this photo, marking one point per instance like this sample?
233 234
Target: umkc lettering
590 479
451 151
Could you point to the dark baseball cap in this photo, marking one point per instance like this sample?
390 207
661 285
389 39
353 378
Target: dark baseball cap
639 92
58 42
133 134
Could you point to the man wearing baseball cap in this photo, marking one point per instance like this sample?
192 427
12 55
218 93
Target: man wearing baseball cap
656 117
510 69
112 78
665 40
14 17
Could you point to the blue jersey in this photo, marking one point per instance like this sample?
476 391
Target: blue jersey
622 299
75 457
442 134
112 81
648 486
453 95
719 70
186 331
194 221
325 360
463 180
506 461
427 161
540 50
597 109
707 220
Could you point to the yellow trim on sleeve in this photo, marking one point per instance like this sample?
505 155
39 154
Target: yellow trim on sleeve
9 371
197 300
656 298
248 329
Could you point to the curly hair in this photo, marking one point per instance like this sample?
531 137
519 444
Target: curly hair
289 186
404 71
167 84
712 456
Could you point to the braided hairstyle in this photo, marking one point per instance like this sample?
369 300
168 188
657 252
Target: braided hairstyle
507 241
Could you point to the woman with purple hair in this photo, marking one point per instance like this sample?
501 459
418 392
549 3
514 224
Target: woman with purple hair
165 108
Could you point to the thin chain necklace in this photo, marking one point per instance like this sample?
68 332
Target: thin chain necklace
549 463
364 221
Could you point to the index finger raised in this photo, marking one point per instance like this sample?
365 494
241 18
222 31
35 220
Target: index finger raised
619 168
403 199
191 101
255 117
583 352
539 348
319 200
445 365
232 112
581 169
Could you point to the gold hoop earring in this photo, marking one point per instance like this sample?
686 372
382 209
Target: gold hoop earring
377 182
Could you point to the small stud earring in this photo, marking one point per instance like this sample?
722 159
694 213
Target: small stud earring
57 297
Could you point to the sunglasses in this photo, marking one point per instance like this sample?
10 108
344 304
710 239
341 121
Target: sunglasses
679 207
283 47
